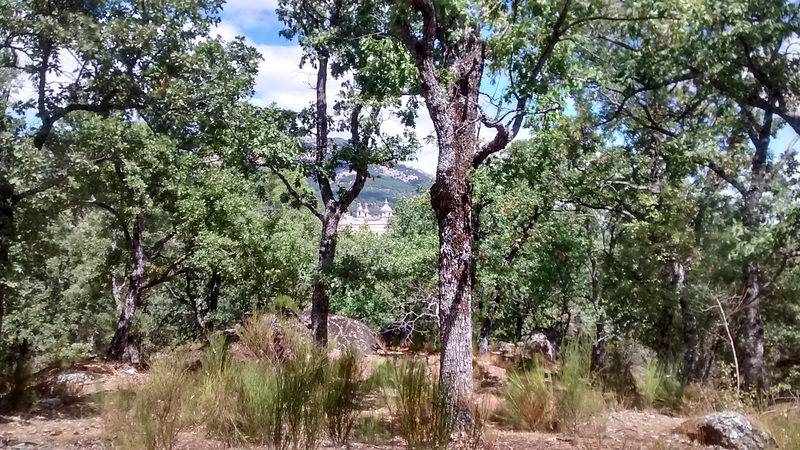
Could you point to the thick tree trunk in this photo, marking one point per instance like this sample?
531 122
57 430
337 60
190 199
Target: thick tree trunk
451 199
690 341
133 296
753 357
320 301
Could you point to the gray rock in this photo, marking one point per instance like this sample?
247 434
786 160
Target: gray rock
729 430
73 378
347 332
52 402
537 343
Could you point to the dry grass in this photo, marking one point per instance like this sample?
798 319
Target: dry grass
151 415
783 423
570 402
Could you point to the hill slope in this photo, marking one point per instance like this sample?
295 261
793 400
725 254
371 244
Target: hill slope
384 184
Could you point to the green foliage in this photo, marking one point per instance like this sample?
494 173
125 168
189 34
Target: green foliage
659 384
529 401
343 396
371 430
578 401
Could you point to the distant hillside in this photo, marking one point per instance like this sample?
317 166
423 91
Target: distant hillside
384 184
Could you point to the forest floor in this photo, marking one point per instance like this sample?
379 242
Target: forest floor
77 424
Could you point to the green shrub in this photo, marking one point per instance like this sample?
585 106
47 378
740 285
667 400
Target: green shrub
529 400
371 430
421 415
220 390
577 400
784 426
343 395
151 416
659 384
532 402
283 406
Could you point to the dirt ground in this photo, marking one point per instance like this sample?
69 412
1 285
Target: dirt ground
77 424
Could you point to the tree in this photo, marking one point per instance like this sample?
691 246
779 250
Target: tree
451 44
733 62
120 56
336 34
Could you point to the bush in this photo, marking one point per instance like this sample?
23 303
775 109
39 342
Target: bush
659 384
529 400
267 339
282 405
152 415
421 415
532 402
371 430
577 400
220 390
784 426
343 395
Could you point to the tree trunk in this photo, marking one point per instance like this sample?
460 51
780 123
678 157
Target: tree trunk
598 361
133 296
753 358
6 237
664 329
320 301
690 342
483 337
451 199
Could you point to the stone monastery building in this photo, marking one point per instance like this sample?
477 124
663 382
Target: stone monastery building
376 224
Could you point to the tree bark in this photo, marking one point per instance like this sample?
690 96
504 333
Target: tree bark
320 302
483 337
451 198
6 237
753 355
598 359
690 341
133 296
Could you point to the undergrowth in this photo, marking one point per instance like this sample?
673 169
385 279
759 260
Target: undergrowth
534 401
288 397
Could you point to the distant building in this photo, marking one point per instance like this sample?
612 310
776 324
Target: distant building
376 223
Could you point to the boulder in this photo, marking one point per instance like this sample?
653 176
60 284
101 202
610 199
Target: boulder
727 429
537 343
344 332
347 332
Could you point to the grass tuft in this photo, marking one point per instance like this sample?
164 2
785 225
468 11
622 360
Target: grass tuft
151 416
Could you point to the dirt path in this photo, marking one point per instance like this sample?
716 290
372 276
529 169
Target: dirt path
626 430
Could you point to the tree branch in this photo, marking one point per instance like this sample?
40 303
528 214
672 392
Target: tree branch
116 215
735 183
295 194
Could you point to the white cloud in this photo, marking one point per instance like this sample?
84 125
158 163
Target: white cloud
251 13
282 81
